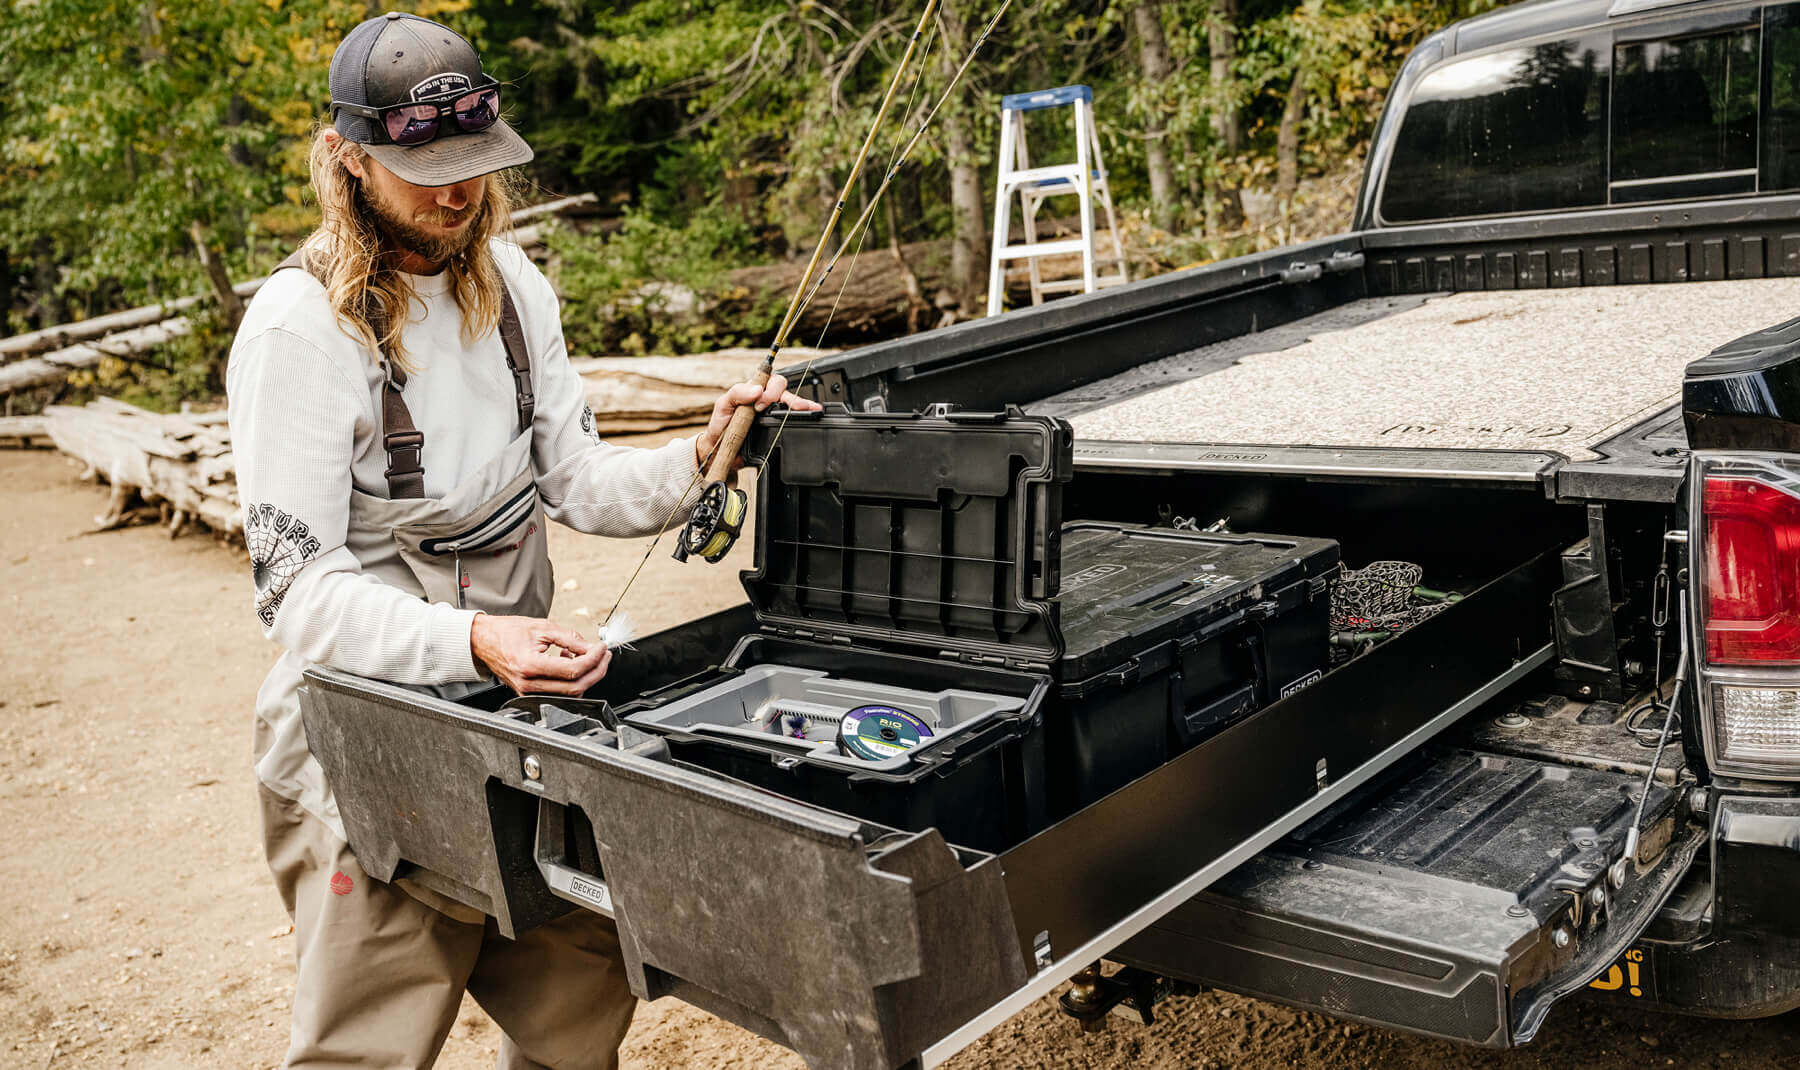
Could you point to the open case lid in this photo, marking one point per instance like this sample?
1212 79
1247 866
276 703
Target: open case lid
935 531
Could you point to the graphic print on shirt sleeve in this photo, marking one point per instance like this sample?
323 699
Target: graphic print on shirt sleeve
587 424
280 545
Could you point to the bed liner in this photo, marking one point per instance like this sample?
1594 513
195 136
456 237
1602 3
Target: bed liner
1587 374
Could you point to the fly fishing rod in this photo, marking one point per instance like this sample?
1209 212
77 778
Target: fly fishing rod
718 516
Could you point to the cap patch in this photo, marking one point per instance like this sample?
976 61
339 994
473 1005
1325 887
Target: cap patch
439 84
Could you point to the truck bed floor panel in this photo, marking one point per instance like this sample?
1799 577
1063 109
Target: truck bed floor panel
1559 370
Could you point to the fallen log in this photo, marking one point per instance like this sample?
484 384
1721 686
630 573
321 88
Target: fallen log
64 335
23 432
152 458
635 394
883 298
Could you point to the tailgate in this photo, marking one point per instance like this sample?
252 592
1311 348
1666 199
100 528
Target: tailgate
855 945
1461 899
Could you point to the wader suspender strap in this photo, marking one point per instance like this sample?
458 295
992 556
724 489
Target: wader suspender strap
400 437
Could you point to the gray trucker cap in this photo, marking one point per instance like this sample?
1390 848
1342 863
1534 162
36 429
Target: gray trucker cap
396 58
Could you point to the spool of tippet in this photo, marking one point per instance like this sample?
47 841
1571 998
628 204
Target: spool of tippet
877 733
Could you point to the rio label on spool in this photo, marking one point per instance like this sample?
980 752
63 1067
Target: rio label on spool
876 733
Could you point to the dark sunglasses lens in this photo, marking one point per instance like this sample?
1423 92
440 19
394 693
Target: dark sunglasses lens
414 124
477 111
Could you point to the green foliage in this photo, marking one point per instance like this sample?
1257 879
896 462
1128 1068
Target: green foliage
720 129
184 369
643 289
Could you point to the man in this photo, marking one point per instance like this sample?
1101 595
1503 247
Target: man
405 421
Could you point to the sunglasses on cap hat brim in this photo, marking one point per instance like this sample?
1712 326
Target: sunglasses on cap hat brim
420 122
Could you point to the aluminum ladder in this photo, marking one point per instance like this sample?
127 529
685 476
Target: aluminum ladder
1085 179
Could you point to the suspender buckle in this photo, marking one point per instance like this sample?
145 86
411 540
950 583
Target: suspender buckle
400 443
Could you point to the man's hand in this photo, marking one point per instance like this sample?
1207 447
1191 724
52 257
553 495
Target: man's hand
534 656
739 395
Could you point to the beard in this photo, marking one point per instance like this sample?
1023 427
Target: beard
406 234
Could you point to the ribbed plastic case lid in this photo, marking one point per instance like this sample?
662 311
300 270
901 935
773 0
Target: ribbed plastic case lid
934 532
1126 587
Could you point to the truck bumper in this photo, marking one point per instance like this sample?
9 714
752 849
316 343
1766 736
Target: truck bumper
1727 943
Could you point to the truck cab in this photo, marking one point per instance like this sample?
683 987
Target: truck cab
1539 373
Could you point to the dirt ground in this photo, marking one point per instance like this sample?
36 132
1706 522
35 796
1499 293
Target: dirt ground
138 926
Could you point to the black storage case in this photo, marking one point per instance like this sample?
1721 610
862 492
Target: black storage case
909 550
1170 637
927 551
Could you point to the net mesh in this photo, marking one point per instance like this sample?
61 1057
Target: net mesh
1381 596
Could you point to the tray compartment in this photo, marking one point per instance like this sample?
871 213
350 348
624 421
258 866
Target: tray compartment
981 783
803 710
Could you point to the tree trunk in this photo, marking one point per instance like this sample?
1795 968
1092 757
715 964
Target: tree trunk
916 305
237 109
1153 56
231 306
1287 137
1222 38
968 208
1223 209
45 309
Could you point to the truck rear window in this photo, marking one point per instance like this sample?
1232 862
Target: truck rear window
1703 106
1521 130
1684 117
1781 93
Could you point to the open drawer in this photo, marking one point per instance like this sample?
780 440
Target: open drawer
853 944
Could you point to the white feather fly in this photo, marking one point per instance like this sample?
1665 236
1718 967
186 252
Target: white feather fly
618 632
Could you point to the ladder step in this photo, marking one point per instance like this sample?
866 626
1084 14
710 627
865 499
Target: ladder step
1046 98
1043 248
1031 175
1027 187
1064 286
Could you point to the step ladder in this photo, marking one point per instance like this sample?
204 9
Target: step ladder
1085 179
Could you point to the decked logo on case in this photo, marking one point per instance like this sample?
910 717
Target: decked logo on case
1089 575
1303 683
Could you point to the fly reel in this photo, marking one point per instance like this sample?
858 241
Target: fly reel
713 527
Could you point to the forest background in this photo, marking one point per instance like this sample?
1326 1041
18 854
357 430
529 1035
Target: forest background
151 149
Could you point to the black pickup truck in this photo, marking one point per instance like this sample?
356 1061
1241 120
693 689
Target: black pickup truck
1539 371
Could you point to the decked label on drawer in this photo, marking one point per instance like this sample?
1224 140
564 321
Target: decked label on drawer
592 891
1089 575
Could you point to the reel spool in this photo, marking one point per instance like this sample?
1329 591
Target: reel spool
715 524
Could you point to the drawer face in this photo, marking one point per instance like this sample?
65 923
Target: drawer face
854 944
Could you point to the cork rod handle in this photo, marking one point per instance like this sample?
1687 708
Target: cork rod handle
735 433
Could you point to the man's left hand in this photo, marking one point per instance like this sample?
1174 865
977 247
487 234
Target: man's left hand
745 394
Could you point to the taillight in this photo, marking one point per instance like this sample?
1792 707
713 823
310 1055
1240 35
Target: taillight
1752 554
1746 558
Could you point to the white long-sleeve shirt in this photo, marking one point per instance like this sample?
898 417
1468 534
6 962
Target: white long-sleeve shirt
305 402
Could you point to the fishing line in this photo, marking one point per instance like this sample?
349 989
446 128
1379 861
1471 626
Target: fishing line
810 285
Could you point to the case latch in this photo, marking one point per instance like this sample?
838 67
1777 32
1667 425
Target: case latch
1127 673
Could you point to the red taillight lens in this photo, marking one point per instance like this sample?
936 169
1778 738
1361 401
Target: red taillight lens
1752 572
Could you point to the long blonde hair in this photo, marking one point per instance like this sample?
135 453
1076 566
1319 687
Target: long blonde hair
359 272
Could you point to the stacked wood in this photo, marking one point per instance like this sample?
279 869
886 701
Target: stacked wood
636 394
23 432
174 468
64 335
126 334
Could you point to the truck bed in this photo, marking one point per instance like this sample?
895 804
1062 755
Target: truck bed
1553 370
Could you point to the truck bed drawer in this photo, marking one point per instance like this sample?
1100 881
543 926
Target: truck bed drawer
856 945
1458 900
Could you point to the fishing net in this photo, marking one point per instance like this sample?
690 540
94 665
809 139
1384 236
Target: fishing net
1382 596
